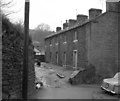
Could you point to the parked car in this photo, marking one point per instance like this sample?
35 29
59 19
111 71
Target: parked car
112 85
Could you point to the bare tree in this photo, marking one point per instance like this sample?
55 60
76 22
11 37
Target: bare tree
19 26
43 27
4 6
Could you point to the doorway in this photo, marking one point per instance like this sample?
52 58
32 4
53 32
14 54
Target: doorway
57 57
75 59
64 59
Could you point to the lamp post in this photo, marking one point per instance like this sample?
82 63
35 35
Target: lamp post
25 60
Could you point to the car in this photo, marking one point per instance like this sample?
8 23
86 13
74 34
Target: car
112 85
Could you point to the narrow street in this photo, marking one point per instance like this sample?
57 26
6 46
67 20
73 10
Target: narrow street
59 88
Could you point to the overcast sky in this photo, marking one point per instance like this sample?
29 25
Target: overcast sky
53 12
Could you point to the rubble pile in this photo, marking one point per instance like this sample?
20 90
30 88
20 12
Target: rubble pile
85 76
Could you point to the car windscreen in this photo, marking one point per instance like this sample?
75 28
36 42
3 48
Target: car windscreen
117 75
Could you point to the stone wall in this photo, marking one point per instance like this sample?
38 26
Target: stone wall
31 71
12 62
103 44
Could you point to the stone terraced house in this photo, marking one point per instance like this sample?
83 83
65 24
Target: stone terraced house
87 40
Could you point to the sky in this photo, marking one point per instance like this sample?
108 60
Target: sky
52 12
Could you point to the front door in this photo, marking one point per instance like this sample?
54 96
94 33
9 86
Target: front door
64 59
75 59
57 57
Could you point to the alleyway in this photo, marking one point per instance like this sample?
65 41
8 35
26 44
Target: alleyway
59 88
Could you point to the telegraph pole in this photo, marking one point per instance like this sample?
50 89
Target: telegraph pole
25 59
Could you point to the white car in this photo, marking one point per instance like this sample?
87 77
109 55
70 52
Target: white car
112 85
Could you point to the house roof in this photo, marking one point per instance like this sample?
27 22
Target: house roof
75 26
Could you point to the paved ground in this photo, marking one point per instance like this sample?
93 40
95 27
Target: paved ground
59 88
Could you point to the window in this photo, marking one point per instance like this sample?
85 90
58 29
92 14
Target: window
64 39
50 43
75 37
56 40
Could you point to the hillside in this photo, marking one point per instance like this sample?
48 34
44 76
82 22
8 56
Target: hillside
38 36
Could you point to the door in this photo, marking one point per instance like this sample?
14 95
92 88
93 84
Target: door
50 57
57 57
75 59
64 59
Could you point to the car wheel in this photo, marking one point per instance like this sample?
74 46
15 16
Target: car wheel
111 94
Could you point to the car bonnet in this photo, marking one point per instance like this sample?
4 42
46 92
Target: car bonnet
112 81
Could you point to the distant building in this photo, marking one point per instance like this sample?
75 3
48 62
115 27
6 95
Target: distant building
37 52
39 55
84 41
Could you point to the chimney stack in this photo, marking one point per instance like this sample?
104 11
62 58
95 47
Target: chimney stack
65 25
58 29
72 22
113 5
93 13
81 18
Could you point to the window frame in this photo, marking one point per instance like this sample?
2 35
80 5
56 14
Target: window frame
75 36
64 39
